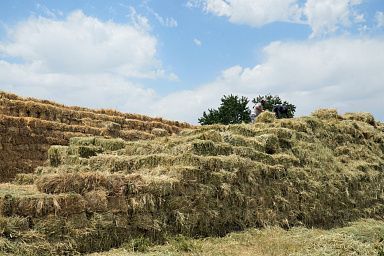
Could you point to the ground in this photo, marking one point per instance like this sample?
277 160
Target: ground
363 237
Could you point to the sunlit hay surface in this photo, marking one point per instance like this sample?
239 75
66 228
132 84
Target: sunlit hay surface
266 117
94 194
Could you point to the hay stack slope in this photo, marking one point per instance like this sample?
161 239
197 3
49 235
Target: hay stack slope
318 171
28 127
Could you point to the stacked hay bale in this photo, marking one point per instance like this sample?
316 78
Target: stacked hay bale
28 127
319 171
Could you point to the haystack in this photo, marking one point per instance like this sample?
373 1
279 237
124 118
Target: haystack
28 127
319 171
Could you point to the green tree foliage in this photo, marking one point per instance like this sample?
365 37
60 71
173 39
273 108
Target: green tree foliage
272 101
232 110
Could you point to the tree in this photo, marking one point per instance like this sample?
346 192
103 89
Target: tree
232 110
271 101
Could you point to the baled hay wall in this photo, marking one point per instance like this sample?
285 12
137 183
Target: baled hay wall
14 103
28 127
318 171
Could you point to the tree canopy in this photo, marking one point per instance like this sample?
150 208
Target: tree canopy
233 110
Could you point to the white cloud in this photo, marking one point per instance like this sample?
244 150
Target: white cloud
380 19
250 12
45 10
327 16
166 22
341 73
83 44
197 42
359 18
83 61
324 17
101 90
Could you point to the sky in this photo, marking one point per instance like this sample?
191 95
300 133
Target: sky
177 58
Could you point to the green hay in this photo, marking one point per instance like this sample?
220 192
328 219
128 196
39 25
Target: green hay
105 144
206 147
85 151
57 155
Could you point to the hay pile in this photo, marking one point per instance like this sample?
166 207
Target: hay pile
318 171
28 127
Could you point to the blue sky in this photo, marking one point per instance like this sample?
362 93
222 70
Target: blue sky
177 58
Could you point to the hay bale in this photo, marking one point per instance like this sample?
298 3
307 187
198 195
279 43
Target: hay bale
85 151
112 126
266 117
82 141
327 114
26 201
135 135
211 135
84 182
361 116
208 181
31 124
25 178
270 143
57 155
96 200
207 147
98 142
159 132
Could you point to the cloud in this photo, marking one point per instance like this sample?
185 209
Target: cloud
250 12
380 19
84 61
342 73
82 44
45 10
166 22
101 90
328 16
197 42
81 60
324 17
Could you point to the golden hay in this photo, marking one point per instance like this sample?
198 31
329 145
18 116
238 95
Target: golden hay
362 116
327 114
266 117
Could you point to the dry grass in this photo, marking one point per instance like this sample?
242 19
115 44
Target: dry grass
363 237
